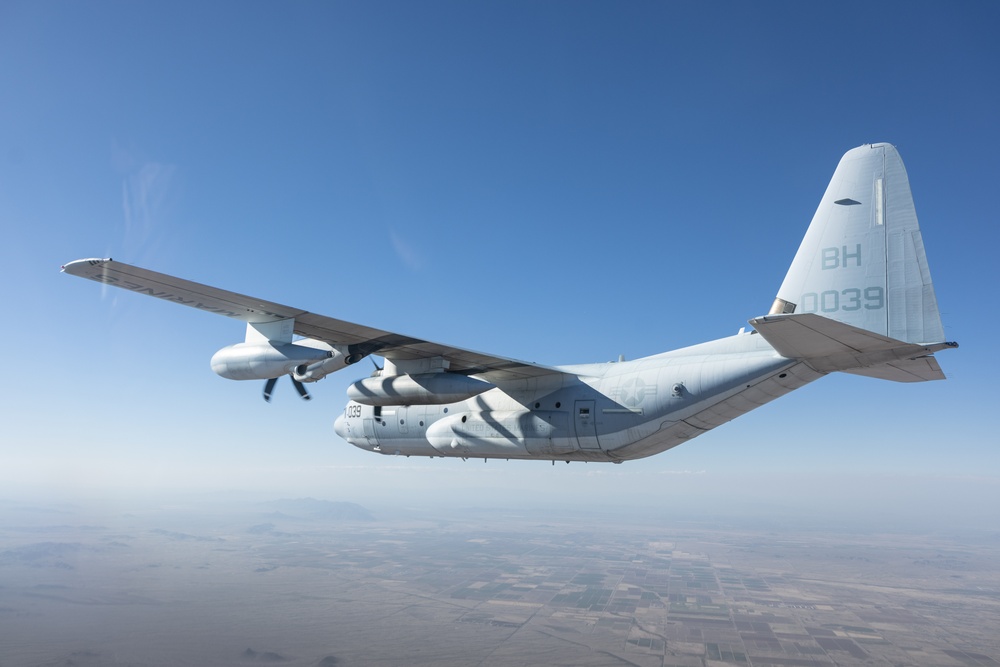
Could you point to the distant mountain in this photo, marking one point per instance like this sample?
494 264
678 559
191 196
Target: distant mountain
266 656
174 535
43 554
328 510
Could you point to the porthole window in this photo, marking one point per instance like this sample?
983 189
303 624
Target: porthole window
464 417
558 405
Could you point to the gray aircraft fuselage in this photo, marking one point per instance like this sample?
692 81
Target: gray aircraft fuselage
594 412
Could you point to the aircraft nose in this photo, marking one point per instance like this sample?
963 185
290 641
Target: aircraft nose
341 428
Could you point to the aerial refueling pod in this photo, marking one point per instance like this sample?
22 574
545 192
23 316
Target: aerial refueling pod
419 389
308 360
320 369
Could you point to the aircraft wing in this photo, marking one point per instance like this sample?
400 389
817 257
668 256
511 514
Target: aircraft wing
359 338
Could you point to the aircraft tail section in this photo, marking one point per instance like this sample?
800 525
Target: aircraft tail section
858 296
862 260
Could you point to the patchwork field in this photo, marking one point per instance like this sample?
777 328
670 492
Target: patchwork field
314 583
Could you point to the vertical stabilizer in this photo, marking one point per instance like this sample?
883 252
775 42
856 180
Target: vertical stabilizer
862 260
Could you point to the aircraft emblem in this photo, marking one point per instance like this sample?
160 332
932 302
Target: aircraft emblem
633 392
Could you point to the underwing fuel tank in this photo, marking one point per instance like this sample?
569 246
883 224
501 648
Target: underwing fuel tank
419 389
263 361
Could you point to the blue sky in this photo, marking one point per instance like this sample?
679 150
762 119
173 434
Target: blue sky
560 182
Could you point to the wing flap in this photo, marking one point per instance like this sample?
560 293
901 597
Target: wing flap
361 339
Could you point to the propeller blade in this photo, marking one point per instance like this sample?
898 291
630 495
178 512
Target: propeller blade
268 388
301 388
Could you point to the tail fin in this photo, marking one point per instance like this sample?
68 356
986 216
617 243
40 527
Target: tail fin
858 297
862 260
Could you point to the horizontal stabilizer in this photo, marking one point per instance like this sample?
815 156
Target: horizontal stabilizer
828 345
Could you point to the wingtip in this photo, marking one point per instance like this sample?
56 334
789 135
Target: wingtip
75 265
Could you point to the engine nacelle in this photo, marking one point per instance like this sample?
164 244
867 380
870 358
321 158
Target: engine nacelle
262 361
420 389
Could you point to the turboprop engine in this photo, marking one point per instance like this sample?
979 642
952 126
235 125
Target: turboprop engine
306 360
418 389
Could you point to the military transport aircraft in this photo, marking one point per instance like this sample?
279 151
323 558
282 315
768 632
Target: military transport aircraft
857 298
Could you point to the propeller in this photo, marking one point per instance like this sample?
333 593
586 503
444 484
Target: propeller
299 387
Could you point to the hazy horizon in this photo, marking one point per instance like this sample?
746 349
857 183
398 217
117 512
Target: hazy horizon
905 502
307 582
